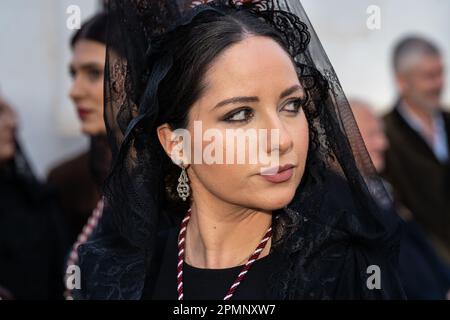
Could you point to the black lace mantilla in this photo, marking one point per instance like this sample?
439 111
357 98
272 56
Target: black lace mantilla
328 235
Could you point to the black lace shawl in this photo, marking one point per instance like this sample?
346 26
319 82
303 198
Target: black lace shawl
330 233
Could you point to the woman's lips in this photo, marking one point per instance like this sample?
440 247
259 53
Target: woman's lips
83 113
283 174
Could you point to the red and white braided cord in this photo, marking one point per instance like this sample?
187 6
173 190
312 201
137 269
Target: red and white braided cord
82 238
240 277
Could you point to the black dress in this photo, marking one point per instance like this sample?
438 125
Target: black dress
207 284
32 237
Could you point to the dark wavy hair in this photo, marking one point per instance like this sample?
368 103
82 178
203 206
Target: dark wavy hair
195 47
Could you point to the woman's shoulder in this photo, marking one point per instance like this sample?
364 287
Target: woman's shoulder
354 215
328 263
340 241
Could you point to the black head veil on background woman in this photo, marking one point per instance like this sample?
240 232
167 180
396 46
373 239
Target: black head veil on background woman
337 204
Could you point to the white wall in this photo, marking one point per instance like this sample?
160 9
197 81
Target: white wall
34 54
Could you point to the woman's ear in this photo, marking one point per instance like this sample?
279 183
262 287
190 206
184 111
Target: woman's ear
165 138
171 142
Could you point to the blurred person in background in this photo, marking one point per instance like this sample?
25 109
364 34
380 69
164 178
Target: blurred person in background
372 132
32 243
79 181
87 66
423 273
417 161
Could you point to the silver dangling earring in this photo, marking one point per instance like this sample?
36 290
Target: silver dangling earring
183 186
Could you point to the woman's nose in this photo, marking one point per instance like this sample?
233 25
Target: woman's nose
76 90
279 138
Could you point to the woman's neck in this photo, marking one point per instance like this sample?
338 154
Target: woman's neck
219 237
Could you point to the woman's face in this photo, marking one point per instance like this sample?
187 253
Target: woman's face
86 68
251 86
8 126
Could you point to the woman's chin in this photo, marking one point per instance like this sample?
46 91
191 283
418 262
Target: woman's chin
276 199
92 129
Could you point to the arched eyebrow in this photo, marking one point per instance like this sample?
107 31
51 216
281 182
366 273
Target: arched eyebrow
236 100
85 66
290 91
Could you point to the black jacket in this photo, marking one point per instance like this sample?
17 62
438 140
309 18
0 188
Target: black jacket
420 181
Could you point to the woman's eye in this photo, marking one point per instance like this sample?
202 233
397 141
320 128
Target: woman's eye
294 105
242 115
94 74
72 73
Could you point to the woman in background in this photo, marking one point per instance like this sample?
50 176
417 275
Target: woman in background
86 68
79 181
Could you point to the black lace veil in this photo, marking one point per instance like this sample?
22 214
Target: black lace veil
340 193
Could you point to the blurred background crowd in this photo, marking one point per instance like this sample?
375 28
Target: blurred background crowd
54 154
